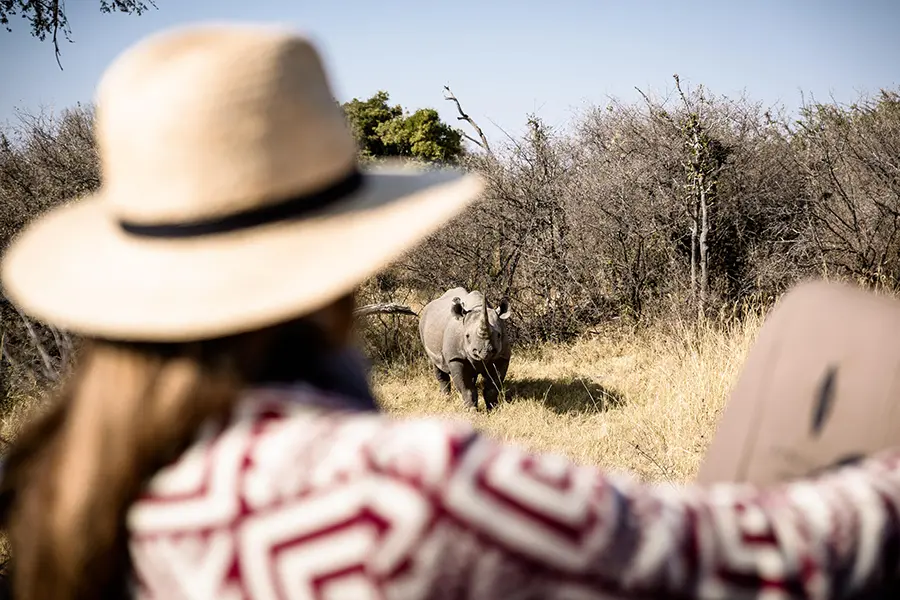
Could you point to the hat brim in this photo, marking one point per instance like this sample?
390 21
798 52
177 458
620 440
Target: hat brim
77 269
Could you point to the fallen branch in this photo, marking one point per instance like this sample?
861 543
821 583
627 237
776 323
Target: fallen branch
387 308
51 372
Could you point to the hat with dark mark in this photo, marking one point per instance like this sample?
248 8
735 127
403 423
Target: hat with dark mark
820 388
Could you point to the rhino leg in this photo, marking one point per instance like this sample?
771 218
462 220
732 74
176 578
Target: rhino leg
463 375
493 381
444 379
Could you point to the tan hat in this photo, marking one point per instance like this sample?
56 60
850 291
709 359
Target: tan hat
820 388
231 196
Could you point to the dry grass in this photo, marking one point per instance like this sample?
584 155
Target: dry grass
647 403
14 412
16 409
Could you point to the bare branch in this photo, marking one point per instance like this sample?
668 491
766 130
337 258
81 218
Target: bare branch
49 371
55 32
471 139
465 117
387 308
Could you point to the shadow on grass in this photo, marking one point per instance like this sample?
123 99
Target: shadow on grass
564 395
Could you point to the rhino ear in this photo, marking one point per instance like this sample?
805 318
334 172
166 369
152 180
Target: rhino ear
503 309
456 309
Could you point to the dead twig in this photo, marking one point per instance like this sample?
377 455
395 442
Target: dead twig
483 144
652 460
50 371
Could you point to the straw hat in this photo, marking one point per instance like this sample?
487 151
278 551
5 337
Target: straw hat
231 197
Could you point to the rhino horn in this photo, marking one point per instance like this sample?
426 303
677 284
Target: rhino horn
485 330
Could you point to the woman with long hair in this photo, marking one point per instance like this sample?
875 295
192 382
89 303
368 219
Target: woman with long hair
216 437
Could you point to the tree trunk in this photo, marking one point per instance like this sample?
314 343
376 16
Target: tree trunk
704 248
694 257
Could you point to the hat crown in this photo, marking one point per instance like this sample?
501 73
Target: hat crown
209 121
216 143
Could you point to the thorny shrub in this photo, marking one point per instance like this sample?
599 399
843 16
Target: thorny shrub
579 229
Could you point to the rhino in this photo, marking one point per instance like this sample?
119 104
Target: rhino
465 338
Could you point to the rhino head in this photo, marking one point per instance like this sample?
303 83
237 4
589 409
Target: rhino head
483 329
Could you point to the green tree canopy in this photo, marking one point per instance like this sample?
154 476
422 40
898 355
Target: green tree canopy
365 116
384 131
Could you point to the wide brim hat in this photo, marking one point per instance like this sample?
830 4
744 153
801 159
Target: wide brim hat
231 196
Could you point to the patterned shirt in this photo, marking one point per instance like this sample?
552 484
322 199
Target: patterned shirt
293 500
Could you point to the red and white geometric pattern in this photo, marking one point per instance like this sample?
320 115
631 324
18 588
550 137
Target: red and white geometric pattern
297 502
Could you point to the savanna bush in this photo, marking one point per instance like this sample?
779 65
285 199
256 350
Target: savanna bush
669 210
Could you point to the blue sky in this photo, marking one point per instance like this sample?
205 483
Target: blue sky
506 58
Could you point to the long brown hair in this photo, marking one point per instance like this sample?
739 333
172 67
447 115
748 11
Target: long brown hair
126 410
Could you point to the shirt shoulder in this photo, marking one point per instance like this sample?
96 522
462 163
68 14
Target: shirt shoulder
289 490
282 443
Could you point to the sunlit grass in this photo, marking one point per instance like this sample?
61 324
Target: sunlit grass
648 403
